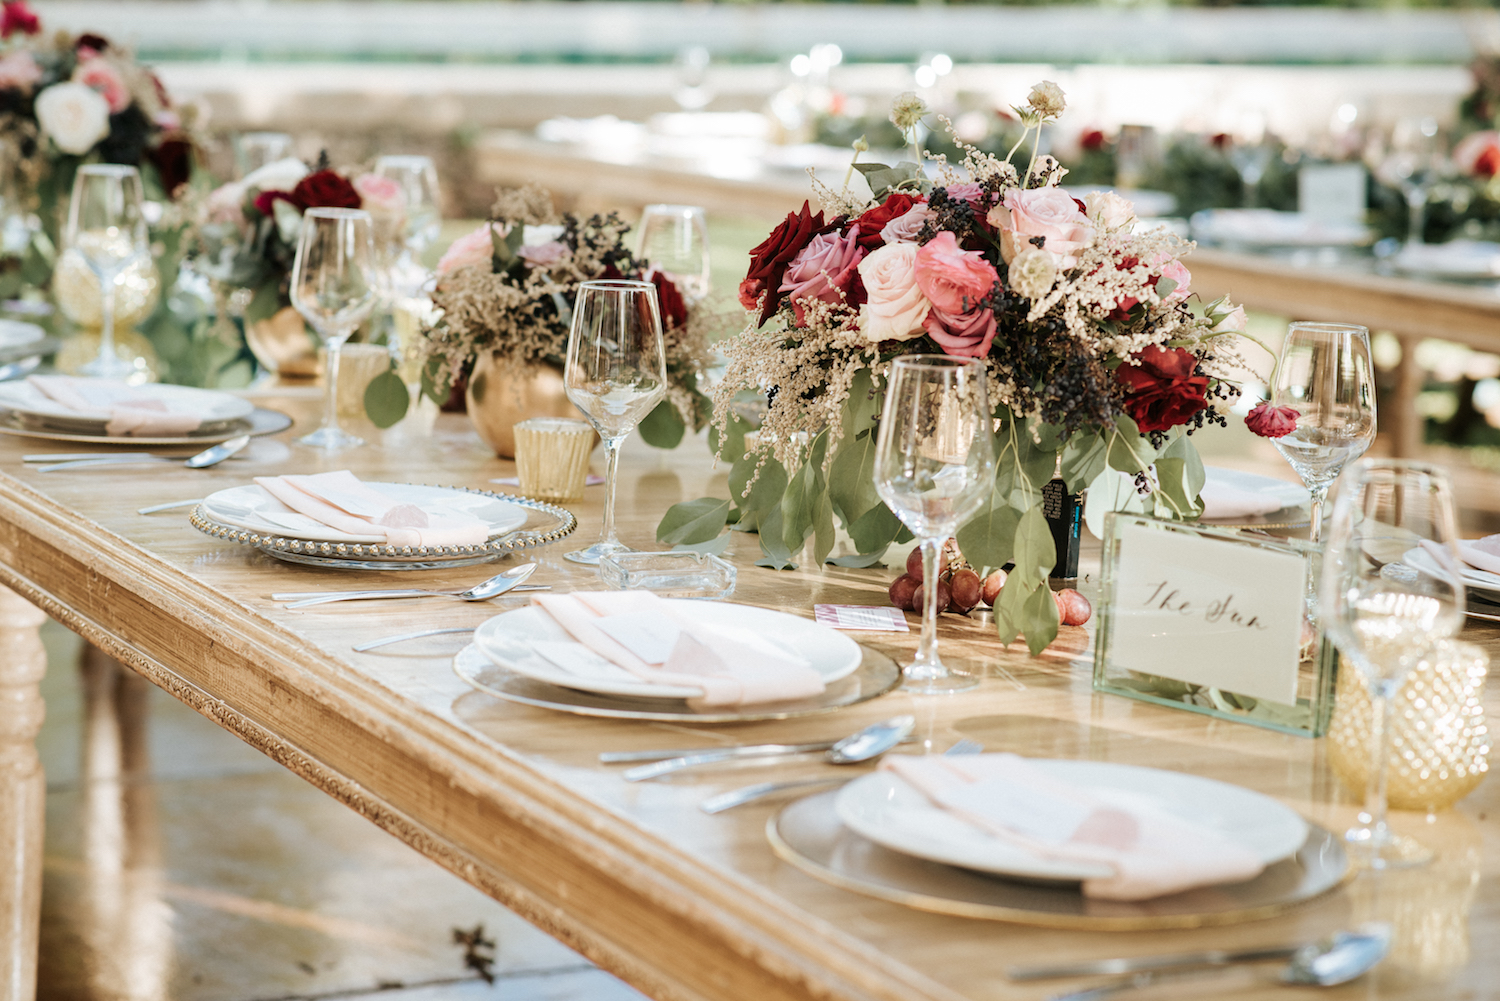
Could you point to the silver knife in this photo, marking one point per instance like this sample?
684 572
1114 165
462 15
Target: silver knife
746 750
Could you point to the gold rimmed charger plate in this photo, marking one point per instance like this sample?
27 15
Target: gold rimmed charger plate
808 834
876 675
261 421
1296 516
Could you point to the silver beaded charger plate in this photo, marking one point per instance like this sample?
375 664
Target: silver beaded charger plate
261 421
809 835
544 523
876 675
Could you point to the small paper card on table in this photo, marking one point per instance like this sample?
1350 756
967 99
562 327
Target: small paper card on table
856 617
1212 621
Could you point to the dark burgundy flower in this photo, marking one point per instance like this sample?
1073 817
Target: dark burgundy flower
265 202
1162 390
768 262
325 189
1092 140
1271 422
673 308
96 42
17 16
873 221
173 159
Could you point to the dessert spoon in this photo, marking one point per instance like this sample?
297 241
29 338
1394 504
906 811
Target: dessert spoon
483 591
862 745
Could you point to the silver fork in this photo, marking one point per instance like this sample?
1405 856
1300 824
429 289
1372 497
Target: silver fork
749 794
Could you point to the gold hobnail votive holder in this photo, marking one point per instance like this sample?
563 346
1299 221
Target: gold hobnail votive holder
1439 741
552 457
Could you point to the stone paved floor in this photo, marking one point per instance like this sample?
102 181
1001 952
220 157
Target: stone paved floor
182 864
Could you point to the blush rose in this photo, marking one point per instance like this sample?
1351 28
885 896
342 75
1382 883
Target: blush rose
1048 213
894 308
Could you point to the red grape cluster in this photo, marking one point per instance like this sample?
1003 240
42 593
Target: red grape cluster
960 589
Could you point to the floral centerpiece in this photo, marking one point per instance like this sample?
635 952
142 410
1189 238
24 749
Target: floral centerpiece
1099 367
505 292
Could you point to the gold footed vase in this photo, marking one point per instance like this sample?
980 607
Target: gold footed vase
498 400
282 344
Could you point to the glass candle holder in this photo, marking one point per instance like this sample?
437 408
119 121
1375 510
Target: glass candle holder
1439 741
552 457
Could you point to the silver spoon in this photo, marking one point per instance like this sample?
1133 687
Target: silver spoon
483 591
862 745
208 457
1337 959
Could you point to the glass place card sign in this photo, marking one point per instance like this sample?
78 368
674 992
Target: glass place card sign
1213 621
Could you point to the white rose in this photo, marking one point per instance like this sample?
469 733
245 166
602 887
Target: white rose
535 236
278 175
896 307
1109 211
74 115
1232 322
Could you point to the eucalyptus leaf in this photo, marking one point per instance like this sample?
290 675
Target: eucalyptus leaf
1110 491
264 303
730 445
713 547
1035 552
1039 619
693 521
988 539
805 508
774 553
860 561
386 399
876 529
662 427
1129 451
1180 479
1083 459
764 494
881 178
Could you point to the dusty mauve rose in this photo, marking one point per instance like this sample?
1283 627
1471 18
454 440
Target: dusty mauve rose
380 196
894 307
953 279
1162 390
768 262
325 189
969 192
542 255
966 334
823 270
874 221
673 308
18 70
475 248
904 228
1271 422
1046 212
75 116
101 75
17 16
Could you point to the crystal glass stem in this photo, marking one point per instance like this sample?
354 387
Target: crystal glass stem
107 353
926 673
1315 512
611 466
1375 832
1416 212
331 393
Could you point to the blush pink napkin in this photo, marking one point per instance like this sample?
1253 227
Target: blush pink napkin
1152 853
340 501
731 670
1482 554
129 413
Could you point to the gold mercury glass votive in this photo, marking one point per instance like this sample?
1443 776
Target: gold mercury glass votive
1439 742
552 457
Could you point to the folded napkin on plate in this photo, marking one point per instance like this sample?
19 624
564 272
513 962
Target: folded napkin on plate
340 501
1152 852
1221 500
648 638
129 412
1482 554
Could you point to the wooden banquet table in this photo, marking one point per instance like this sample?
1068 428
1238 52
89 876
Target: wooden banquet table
683 905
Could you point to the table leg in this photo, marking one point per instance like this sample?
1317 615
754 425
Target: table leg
1405 423
23 792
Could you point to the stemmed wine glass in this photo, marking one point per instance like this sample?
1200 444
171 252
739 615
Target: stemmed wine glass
106 226
1325 375
674 241
334 287
616 374
1391 589
419 183
934 467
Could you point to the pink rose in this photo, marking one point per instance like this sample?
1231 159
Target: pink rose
100 75
956 281
543 255
1175 271
894 308
969 192
823 269
904 228
18 70
966 334
380 196
475 248
1049 213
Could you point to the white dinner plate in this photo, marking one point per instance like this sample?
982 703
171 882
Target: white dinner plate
509 639
1280 492
886 809
1471 259
212 408
251 508
15 334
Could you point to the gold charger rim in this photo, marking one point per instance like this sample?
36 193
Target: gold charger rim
262 421
1319 839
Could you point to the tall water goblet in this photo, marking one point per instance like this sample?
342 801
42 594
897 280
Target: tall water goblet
934 467
674 241
616 373
1391 589
419 183
253 150
1325 375
335 285
107 227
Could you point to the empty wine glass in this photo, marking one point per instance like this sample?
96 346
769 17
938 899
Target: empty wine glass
107 227
1414 164
1325 375
934 467
334 286
254 150
419 183
616 374
1391 589
674 241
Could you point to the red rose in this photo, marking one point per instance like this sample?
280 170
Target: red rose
1271 422
325 189
873 221
173 159
673 309
265 202
1487 164
768 262
18 17
96 43
1092 140
1163 391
